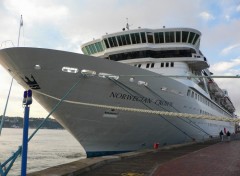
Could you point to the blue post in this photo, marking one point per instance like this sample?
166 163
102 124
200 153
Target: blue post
27 100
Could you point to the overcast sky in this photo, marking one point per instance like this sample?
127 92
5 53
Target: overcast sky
65 25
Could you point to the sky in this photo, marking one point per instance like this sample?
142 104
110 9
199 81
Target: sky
65 25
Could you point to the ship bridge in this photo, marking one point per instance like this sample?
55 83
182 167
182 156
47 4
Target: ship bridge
181 43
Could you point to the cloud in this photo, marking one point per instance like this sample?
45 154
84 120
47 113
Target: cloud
230 48
206 16
238 8
36 10
227 17
222 67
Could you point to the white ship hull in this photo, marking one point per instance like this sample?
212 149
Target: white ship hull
101 130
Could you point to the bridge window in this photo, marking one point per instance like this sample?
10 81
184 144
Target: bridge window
157 40
172 64
162 64
178 36
159 37
150 37
195 39
135 38
167 64
184 36
128 39
119 39
137 35
143 37
147 66
92 49
88 50
124 39
84 50
106 43
98 46
169 37
152 65
102 45
191 36
112 41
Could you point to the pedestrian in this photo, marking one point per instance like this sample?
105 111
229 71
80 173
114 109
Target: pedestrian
228 135
221 135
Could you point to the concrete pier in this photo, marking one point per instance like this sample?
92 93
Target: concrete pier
207 158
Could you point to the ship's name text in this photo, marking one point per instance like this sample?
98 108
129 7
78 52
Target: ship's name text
140 99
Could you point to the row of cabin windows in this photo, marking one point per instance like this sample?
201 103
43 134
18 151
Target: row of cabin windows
142 37
152 54
167 64
202 99
205 113
151 65
148 65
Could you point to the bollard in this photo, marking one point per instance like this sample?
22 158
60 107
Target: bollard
155 145
27 100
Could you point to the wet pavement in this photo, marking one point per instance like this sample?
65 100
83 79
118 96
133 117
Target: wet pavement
148 164
222 159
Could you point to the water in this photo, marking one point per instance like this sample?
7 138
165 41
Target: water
47 148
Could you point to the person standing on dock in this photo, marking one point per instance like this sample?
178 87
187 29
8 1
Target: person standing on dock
228 135
221 135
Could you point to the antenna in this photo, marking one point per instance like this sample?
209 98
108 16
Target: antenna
21 24
127 25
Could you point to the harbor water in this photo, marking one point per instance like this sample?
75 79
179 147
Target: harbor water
47 148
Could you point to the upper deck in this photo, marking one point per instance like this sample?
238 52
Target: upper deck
143 40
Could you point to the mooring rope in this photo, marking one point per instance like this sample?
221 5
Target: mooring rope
155 112
180 76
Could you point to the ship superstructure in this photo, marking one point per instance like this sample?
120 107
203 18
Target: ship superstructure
160 69
166 51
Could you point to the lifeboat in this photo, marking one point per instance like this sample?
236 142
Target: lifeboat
212 86
228 104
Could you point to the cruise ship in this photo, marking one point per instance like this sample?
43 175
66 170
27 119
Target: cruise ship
122 78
